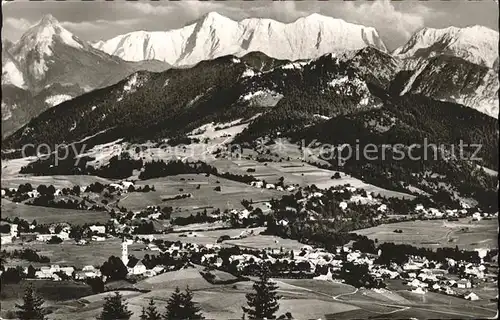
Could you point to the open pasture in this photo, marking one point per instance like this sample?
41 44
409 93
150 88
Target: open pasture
305 299
265 241
205 196
225 301
465 233
68 253
48 215
207 237
58 182
300 173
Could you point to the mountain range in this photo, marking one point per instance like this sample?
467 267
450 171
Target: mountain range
340 100
214 36
49 65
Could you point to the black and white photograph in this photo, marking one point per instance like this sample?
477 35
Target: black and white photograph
307 160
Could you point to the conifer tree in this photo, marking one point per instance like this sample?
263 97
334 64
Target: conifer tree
31 309
191 311
263 303
181 306
143 314
151 312
174 306
114 309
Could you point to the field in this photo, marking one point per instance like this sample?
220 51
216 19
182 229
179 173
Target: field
465 233
69 253
57 181
229 197
298 172
216 301
305 299
47 215
252 241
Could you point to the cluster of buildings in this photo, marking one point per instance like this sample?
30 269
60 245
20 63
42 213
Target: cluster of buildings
421 278
264 185
62 234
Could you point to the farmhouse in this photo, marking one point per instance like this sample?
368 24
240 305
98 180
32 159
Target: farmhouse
419 290
98 238
471 296
136 267
463 284
98 229
158 269
44 237
417 283
87 272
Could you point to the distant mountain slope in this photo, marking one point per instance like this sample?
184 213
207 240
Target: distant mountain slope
476 44
47 57
334 99
157 105
397 135
11 71
452 79
214 35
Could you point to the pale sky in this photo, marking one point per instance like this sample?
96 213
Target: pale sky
395 21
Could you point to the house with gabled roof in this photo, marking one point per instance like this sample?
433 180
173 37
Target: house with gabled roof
136 267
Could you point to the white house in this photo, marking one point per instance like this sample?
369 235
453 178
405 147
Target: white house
417 283
89 268
153 247
98 238
127 184
257 184
471 296
419 290
464 284
44 237
343 205
476 216
382 208
43 275
5 239
159 269
63 235
137 269
98 229
14 230
283 222
68 270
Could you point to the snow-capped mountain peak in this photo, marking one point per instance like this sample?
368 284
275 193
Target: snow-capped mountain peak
214 35
48 19
477 44
214 16
42 35
38 43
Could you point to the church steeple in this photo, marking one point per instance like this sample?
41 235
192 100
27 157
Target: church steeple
124 251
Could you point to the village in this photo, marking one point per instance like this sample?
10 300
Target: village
418 274
153 241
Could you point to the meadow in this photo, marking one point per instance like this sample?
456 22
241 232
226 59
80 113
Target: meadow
202 189
46 215
68 253
465 233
